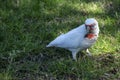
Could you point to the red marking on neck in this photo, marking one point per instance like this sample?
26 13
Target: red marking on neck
90 35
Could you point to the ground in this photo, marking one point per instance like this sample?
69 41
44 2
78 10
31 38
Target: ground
27 26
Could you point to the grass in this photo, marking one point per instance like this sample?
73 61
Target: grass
26 27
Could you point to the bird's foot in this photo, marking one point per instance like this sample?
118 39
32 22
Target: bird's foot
74 56
88 52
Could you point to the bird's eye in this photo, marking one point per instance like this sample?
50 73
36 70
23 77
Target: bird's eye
92 25
87 25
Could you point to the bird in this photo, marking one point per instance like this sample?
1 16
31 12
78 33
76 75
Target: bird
78 39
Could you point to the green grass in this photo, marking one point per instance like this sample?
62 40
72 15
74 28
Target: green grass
27 26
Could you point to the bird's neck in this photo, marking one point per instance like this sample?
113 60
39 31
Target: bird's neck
92 33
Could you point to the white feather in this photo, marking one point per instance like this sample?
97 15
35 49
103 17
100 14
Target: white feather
72 39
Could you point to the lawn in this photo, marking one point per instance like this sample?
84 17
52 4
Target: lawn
27 26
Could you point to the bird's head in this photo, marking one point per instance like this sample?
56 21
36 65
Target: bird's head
92 25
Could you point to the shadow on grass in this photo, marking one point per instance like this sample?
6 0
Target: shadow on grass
103 66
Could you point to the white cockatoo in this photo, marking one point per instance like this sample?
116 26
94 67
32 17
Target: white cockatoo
80 38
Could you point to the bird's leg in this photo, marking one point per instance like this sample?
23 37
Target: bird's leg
88 52
74 56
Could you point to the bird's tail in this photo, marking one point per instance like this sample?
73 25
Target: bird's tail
50 45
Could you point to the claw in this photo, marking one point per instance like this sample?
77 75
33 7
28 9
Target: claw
88 52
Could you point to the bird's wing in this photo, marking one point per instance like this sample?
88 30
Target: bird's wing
72 39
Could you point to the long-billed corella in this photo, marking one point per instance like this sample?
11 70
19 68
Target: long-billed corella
77 39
